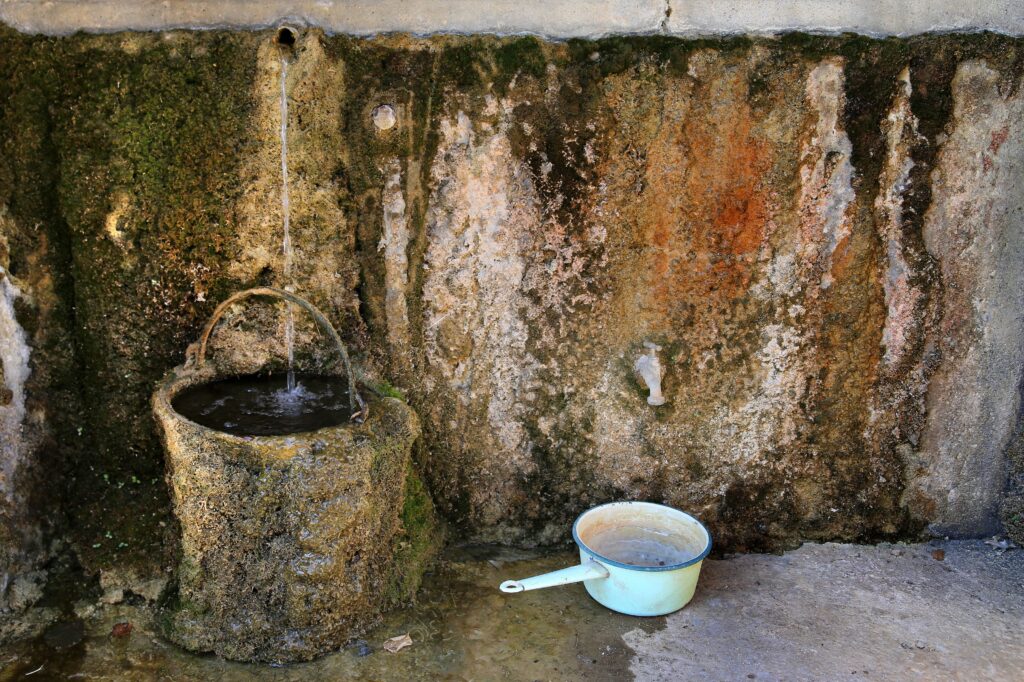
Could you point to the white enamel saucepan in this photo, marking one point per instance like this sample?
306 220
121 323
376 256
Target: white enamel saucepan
638 558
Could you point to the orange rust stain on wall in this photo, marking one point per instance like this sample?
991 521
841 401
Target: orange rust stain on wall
842 260
710 207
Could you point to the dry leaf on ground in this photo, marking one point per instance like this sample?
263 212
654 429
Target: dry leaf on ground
396 644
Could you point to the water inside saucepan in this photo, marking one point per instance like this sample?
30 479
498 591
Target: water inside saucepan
641 547
263 405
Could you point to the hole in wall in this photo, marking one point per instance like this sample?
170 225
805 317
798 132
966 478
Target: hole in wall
286 36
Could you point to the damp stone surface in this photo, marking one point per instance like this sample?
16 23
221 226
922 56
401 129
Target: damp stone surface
820 233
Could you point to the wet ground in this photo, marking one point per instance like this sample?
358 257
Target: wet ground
949 610
462 628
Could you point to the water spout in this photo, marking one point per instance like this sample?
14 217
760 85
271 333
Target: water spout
648 366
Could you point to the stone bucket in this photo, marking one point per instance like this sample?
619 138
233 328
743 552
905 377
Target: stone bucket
287 542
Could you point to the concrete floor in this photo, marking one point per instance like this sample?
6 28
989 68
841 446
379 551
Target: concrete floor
822 612
826 612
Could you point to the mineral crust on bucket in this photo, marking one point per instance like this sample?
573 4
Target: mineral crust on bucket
288 543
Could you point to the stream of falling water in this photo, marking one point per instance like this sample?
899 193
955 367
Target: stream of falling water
289 329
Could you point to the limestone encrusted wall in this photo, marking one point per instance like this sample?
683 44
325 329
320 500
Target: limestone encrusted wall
822 235
975 230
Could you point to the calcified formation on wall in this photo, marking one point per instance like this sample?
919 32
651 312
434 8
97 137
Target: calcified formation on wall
822 235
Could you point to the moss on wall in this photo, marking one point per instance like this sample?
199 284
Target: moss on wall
648 185
35 250
417 544
150 130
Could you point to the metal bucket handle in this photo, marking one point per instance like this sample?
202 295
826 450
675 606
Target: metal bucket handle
318 317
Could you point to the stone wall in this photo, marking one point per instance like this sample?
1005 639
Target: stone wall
40 409
822 236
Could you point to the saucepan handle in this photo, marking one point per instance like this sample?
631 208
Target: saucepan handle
588 570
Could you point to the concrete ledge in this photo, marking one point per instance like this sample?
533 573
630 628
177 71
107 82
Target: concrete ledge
558 19
548 18
869 17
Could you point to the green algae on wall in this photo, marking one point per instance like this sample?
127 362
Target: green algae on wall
35 255
418 543
150 131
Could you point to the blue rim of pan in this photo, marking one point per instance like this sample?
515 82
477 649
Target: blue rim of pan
631 567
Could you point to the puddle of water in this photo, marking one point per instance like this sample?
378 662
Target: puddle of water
462 628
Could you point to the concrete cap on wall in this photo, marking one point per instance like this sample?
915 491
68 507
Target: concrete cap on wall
548 18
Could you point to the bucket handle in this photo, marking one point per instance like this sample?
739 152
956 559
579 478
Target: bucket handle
588 570
314 312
